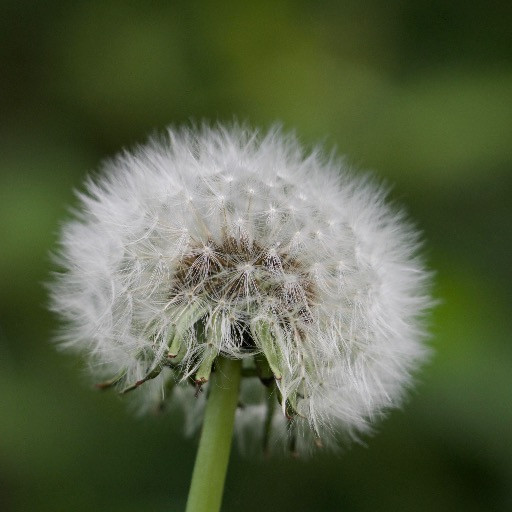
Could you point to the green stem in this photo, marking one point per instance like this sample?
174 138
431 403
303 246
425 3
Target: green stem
212 458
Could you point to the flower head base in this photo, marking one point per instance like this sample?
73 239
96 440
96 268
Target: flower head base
226 242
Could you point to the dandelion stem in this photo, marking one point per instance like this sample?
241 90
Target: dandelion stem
212 458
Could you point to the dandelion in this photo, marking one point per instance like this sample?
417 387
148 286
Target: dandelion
229 251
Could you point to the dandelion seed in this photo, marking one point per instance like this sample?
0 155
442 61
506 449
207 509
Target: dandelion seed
227 242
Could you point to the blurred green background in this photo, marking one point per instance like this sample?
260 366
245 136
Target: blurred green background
421 91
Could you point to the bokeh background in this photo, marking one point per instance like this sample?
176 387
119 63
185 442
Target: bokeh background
420 91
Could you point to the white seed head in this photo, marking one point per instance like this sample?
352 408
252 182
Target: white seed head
227 241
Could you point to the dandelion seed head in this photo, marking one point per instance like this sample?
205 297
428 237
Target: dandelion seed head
229 241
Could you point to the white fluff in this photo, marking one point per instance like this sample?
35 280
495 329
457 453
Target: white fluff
209 237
